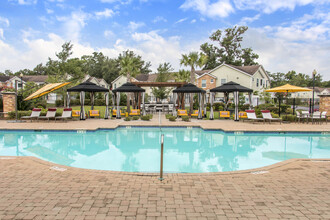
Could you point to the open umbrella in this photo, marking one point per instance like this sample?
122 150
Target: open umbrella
288 88
45 90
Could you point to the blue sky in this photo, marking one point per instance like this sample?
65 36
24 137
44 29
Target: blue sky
287 34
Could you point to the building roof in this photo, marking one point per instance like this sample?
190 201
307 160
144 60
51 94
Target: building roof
251 70
4 78
35 78
201 72
317 89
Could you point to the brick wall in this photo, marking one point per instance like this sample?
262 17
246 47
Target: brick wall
9 102
209 85
325 104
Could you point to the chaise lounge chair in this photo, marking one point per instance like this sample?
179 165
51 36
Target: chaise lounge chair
67 114
251 115
241 115
267 116
34 115
51 113
114 113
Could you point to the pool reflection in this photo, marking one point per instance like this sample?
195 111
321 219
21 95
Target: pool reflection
186 150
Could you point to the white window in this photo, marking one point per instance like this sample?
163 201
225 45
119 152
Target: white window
203 83
261 82
223 81
257 82
115 86
212 81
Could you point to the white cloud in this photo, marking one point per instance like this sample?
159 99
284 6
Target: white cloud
219 8
1 34
267 6
124 2
181 20
135 25
193 21
73 24
246 20
49 11
4 21
27 2
280 55
108 34
159 19
104 14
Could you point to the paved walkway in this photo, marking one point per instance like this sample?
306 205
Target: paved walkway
34 189
296 189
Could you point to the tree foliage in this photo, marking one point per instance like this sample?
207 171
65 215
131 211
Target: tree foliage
228 49
163 75
297 79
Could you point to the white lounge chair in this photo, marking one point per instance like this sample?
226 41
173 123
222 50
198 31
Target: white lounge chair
34 115
315 116
267 116
251 115
51 113
67 114
324 116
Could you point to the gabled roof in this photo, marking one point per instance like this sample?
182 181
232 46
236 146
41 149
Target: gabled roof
251 70
206 73
35 78
201 72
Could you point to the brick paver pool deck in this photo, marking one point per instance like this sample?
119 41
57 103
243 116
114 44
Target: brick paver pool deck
295 189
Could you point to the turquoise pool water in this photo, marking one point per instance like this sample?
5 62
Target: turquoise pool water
137 149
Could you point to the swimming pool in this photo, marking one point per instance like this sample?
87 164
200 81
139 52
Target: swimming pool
137 149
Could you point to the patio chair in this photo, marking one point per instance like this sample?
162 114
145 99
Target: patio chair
268 117
315 116
241 115
324 116
94 113
34 115
66 114
135 112
224 114
75 113
182 112
114 113
195 114
251 116
51 113
304 115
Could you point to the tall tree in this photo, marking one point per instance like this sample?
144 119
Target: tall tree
193 60
228 49
130 66
163 75
182 76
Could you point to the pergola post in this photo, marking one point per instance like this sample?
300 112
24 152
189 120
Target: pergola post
82 102
106 113
200 115
236 100
118 115
211 108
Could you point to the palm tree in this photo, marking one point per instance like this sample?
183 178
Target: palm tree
193 59
130 67
182 76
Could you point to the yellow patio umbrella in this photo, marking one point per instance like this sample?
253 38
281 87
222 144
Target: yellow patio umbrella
45 90
288 88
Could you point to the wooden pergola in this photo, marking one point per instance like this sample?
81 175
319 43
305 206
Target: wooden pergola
159 84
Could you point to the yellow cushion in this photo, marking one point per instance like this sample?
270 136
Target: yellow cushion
75 113
94 112
135 112
224 114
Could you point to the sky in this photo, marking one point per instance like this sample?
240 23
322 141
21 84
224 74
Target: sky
287 34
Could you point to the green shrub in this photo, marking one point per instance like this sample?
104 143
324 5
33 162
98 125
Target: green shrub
136 117
172 118
167 116
284 107
59 103
208 108
244 107
274 115
289 111
289 118
216 106
99 102
185 118
150 116
128 119
273 109
145 118
20 114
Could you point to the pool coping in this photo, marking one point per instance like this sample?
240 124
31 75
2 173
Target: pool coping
165 126
254 171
